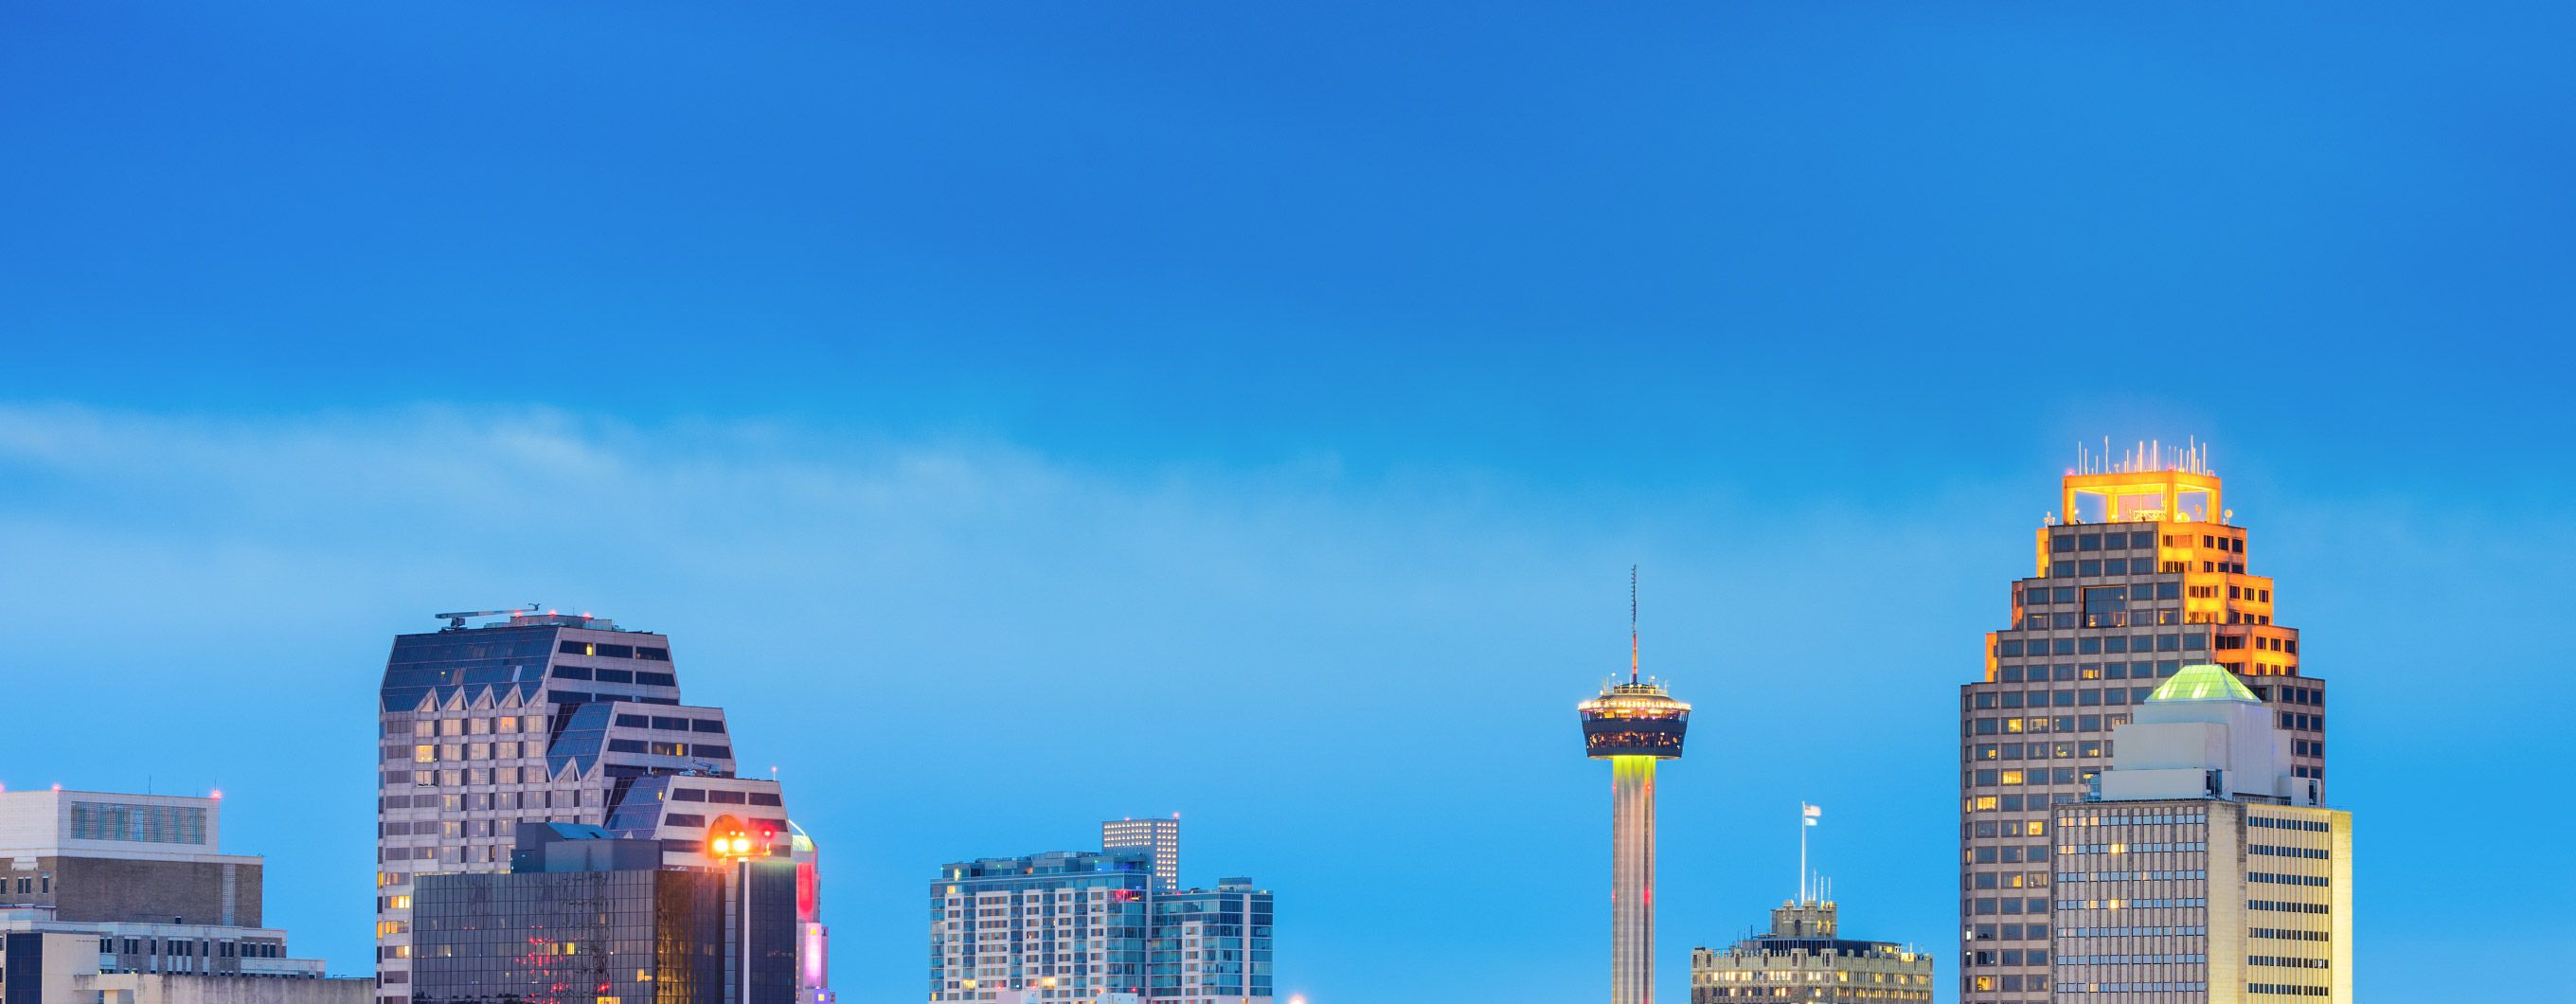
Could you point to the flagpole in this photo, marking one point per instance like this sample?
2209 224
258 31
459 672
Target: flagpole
1802 854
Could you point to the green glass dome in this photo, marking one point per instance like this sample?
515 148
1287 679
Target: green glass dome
2203 682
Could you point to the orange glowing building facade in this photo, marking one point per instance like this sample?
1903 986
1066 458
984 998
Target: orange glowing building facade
2141 571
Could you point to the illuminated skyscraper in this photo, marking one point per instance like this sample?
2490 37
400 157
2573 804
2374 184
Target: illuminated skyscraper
1633 725
1161 836
2140 571
551 718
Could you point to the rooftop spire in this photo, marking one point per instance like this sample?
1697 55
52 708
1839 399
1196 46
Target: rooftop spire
1632 623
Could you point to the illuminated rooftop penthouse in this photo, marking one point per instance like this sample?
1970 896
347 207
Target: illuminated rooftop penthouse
2146 485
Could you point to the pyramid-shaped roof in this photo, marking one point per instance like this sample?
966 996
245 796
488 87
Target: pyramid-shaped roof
2203 682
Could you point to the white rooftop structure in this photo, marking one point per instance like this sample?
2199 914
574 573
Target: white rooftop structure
91 824
2202 734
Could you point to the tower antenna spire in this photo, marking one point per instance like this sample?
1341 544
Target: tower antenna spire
1632 623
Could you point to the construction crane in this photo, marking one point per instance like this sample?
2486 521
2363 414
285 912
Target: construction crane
457 620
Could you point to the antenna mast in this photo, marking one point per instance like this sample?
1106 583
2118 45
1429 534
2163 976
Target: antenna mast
1632 623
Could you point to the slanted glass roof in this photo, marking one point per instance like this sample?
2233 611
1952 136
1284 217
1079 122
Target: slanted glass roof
2203 682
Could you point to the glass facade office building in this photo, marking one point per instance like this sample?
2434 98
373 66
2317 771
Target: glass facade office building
628 936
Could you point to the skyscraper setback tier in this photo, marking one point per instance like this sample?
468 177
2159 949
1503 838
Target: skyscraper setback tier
546 718
2140 572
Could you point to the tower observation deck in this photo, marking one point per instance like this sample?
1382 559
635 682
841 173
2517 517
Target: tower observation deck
1634 719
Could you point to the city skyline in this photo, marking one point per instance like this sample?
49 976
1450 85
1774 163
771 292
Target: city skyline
1686 923
1025 417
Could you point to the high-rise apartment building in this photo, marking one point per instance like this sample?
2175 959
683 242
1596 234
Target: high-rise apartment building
1095 928
548 718
1209 946
1804 957
2140 571
129 898
2206 869
1160 836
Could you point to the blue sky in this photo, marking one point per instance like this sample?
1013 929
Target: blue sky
1020 416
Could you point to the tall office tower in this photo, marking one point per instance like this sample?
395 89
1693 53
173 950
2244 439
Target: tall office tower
542 718
2140 570
122 897
1804 957
2207 868
583 915
1093 928
1633 725
1161 836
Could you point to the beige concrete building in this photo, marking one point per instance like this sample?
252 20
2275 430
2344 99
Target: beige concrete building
63 967
2206 870
116 898
1804 957
2140 571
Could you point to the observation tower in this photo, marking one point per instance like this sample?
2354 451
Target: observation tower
1633 725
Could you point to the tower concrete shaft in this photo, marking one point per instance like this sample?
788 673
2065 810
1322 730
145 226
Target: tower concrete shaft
1632 880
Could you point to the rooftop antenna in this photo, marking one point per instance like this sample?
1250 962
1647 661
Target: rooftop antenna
1632 624
457 619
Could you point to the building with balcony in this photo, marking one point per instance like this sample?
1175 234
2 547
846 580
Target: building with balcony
1085 927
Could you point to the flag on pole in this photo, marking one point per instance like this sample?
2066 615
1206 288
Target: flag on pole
1810 812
